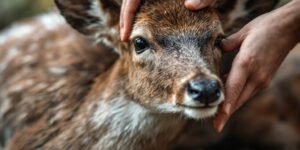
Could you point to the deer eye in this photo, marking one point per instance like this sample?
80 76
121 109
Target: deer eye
218 41
141 45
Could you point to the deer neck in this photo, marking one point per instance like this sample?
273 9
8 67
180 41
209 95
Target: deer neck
122 122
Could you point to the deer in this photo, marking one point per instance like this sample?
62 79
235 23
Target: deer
60 90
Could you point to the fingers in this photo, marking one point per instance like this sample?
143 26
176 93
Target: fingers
220 120
197 4
234 41
128 11
234 85
253 86
248 91
224 114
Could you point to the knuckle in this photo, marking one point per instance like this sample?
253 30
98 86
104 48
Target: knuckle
263 81
245 62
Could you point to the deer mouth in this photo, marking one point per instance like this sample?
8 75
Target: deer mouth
195 107
196 110
199 113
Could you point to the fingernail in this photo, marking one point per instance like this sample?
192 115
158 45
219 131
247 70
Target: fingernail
227 108
227 45
193 4
221 127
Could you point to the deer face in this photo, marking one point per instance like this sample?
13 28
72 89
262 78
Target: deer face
175 59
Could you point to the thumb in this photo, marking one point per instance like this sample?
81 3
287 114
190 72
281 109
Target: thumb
234 41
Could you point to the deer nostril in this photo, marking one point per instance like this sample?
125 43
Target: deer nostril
195 90
204 91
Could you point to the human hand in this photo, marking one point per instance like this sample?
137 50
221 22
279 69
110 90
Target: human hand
129 8
264 43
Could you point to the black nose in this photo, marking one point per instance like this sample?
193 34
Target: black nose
204 91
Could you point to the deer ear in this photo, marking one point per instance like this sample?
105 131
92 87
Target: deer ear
96 18
234 14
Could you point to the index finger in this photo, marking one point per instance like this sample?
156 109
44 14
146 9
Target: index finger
233 88
129 9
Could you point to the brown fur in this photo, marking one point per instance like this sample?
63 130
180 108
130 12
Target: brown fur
49 100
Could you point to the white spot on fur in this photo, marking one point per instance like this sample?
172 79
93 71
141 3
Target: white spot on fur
16 31
58 70
51 21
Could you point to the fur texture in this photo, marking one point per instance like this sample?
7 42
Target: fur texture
59 91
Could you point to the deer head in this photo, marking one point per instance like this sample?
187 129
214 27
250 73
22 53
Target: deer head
172 62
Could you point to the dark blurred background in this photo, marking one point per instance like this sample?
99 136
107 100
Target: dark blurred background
12 10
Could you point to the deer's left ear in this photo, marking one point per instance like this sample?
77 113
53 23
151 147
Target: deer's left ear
96 18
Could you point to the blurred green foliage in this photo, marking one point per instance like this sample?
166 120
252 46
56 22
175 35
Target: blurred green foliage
12 10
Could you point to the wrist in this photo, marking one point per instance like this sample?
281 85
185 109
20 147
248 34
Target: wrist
287 20
293 13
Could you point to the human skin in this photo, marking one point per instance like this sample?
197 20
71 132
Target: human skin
274 35
129 8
